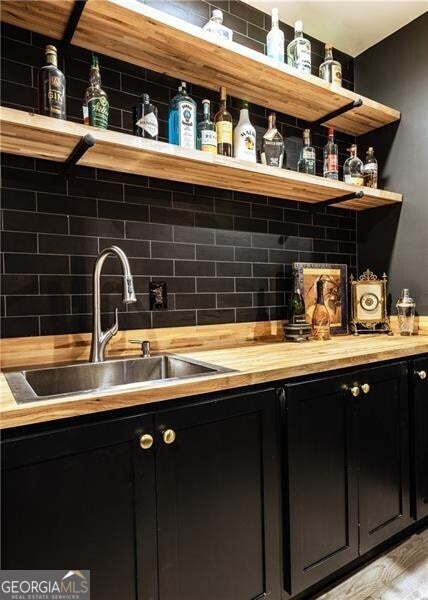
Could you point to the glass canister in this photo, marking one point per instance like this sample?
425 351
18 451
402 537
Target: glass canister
406 308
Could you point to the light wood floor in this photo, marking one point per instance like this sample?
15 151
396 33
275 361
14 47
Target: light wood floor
401 574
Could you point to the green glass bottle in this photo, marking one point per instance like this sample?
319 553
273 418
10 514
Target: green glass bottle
296 305
95 102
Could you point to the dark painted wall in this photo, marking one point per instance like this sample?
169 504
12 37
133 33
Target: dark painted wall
226 256
395 72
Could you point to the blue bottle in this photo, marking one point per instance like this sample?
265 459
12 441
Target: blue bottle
182 119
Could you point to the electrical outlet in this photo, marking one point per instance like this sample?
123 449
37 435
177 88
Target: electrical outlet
158 295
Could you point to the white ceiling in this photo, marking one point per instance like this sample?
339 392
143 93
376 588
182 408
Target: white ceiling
350 25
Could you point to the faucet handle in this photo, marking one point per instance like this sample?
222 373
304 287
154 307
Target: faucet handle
145 347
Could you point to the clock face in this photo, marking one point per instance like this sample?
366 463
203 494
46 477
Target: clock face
369 302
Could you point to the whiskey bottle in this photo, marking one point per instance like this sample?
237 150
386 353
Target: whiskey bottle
224 126
370 169
272 151
299 50
330 70
52 87
320 316
244 136
353 168
207 135
95 102
331 157
275 39
307 161
216 28
146 123
182 119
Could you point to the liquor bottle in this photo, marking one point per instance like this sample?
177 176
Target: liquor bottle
370 169
331 157
244 136
272 152
216 28
224 126
307 161
296 306
51 87
182 119
207 135
299 50
320 316
353 168
95 102
330 70
275 39
146 119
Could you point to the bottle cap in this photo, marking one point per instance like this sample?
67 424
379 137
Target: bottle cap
330 131
275 14
50 49
298 25
95 62
222 93
370 149
244 104
183 84
146 98
206 101
328 46
217 14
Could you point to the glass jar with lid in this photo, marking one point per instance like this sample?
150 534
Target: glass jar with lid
406 309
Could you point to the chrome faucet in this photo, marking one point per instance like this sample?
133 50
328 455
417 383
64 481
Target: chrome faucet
101 338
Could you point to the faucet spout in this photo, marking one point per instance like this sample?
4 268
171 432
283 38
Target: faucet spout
101 338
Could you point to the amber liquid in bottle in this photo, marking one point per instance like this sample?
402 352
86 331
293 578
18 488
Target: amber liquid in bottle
51 87
320 317
224 127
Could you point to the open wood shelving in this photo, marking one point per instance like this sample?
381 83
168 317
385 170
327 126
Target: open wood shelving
37 136
135 33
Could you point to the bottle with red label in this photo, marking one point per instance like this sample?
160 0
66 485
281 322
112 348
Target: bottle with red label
331 157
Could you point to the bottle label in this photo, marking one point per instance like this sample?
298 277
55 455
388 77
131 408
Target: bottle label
85 114
275 46
270 134
245 144
209 141
149 124
303 60
98 109
186 124
308 153
224 132
55 95
332 164
336 74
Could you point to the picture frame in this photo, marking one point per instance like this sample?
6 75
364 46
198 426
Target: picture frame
335 291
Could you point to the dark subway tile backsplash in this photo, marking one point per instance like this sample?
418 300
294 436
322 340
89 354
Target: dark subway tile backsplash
225 256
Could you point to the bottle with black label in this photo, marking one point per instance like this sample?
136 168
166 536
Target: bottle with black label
272 153
146 119
52 87
95 102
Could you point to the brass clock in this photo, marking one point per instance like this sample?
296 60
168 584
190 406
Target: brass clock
368 304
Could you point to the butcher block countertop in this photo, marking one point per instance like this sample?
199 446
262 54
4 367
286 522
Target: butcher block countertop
254 363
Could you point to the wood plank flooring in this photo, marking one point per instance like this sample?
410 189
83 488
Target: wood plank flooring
401 574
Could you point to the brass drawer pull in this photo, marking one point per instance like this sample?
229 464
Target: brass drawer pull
365 388
169 436
146 441
421 374
355 390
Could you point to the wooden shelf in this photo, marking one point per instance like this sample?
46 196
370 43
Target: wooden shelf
27 134
133 32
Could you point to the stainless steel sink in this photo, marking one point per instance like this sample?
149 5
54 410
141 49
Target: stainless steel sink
47 383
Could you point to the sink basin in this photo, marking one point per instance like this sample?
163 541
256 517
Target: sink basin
47 383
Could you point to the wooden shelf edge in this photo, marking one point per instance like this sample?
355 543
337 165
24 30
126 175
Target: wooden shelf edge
182 50
28 134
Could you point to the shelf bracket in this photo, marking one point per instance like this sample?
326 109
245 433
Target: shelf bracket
73 22
340 111
82 146
351 196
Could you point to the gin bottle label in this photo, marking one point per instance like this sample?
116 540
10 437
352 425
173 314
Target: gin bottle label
149 124
209 141
303 59
186 120
98 109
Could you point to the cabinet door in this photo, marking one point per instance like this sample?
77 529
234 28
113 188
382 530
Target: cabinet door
68 502
218 500
322 516
383 431
420 436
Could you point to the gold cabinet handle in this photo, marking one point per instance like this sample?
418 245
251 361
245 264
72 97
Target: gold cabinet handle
355 390
146 441
365 388
421 374
169 436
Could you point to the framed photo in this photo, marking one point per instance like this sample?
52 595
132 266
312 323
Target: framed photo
335 291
